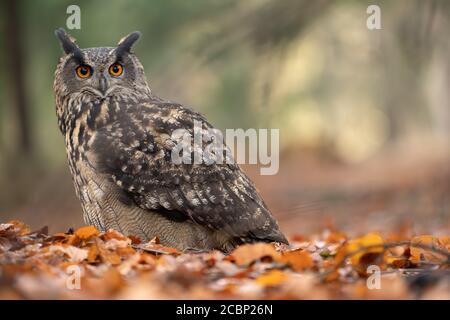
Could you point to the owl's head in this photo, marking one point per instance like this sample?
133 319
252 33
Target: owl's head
97 73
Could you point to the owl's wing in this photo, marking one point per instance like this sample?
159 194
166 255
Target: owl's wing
136 152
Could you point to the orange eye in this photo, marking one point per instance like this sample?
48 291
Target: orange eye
83 71
116 69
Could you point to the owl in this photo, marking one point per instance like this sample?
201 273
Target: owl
119 142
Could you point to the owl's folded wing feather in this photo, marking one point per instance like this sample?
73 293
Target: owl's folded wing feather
135 151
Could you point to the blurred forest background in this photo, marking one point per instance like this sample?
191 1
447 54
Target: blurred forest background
364 116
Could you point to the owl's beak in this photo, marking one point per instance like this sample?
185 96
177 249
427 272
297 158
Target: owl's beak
103 85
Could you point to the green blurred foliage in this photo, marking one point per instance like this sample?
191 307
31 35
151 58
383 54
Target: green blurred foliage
311 68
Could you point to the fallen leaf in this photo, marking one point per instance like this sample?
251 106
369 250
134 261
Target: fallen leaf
107 256
247 253
86 232
399 263
115 244
299 260
113 234
420 254
21 228
272 278
5 244
93 253
371 243
35 265
156 248
444 242
73 253
135 240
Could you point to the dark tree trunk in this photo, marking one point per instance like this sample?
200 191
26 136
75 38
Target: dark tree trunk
14 57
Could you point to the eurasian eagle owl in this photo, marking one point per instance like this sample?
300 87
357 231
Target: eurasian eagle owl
118 136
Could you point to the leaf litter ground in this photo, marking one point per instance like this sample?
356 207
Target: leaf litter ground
88 264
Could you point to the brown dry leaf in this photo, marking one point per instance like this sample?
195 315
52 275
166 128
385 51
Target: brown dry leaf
110 257
272 278
113 234
110 283
299 260
129 264
114 267
87 232
444 242
126 251
398 257
247 253
372 240
106 255
73 240
135 240
159 248
340 254
4 227
58 237
399 263
73 253
147 259
332 276
21 228
93 253
115 244
5 244
422 254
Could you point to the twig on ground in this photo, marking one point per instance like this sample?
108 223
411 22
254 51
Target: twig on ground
386 246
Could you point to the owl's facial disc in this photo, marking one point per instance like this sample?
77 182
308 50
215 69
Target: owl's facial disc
100 72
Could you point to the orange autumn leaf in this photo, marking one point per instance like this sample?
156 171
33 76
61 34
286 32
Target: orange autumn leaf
106 255
444 242
155 247
272 278
135 240
75 254
247 253
332 276
73 240
370 243
299 260
340 254
397 262
112 234
22 228
86 232
110 257
93 253
159 248
421 254
114 268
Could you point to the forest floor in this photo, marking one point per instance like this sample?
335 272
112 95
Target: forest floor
87 264
378 230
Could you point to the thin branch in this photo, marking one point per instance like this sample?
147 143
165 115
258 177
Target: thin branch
386 246
149 250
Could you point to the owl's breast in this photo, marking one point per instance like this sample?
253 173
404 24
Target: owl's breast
81 127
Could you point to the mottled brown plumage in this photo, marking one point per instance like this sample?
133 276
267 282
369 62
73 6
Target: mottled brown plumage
118 139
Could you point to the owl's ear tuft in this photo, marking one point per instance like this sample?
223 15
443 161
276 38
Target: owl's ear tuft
125 44
68 44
